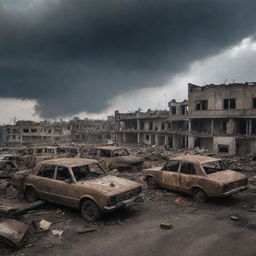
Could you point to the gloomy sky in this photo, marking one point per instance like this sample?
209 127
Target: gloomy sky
79 56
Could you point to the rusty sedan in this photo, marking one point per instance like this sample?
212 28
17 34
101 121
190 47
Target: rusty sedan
112 157
79 183
199 176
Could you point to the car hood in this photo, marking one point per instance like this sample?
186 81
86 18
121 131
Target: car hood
129 159
226 176
110 185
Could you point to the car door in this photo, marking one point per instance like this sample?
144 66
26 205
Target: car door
43 182
170 175
188 176
64 187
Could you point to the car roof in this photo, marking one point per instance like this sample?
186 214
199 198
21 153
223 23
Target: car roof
195 159
109 147
70 162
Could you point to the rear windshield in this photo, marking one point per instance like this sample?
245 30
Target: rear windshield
216 166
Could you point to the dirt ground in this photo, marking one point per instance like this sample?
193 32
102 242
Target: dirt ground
197 229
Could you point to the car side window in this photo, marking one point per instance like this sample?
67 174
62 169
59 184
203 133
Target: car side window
93 152
172 166
46 171
187 168
63 174
105 153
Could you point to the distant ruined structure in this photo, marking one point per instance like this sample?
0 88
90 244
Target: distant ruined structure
220 118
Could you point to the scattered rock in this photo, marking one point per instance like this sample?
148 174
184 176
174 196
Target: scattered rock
181 202
44 224
57 232
166 225
235 218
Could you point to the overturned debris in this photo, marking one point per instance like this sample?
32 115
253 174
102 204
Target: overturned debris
13 232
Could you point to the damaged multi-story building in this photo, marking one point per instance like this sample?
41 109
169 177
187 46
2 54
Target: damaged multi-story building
222 118
30 132
219 118
162 127
92 131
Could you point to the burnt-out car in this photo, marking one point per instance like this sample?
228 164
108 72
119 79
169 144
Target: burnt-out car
112 157
8 162
35 155
79 183
199 176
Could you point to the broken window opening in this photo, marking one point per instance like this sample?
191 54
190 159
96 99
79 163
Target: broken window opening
229 104
223 148
173 109
201 104
254 102
150 125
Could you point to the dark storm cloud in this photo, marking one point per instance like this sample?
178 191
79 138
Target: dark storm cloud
74 56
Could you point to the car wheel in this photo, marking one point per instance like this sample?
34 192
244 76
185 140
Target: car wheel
90 211
31 195
199 195
152 183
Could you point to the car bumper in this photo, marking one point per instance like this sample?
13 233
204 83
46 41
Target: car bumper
233 191
127 203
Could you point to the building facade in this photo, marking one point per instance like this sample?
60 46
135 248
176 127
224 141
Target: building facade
163 127
219 118
30 132
222 118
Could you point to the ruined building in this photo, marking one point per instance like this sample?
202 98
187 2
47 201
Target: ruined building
30 132
219 118
164 127
92 131
222 118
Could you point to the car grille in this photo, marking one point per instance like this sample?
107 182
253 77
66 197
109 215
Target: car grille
126 195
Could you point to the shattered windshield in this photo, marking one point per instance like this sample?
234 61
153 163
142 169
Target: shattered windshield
87 172
121 152
215 166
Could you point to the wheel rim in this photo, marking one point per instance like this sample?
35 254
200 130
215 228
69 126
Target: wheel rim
199 196
89 212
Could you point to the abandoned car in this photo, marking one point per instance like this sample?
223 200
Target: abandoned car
112 157
79 183
197 175
36 155
8 162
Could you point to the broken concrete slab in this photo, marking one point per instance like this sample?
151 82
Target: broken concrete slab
16 209
13 232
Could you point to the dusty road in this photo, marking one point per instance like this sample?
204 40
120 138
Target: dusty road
197 229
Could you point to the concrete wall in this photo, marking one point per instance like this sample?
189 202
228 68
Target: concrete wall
230 141
215 96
